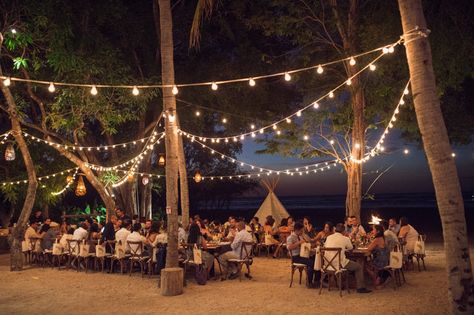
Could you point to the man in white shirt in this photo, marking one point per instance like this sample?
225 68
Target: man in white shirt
135 236
81 232
357 230
232 230
337 240
241 236
122 234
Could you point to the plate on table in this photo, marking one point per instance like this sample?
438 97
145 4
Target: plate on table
224 243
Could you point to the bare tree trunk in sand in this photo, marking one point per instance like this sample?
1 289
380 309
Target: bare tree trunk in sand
438 152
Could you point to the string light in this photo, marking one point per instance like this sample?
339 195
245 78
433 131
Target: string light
198 113
251 82
135 91
372 67
352 61
224 120
40 178
453 154
69 183
51 88
94 90
406 151
214 86
287 76
7 82
174 90
315 105
320 70
331 94
349 82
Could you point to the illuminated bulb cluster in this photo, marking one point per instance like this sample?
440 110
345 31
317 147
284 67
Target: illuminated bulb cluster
41 178
95 148
69 183
5 137
379 146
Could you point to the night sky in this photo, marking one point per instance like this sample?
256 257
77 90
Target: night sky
409 174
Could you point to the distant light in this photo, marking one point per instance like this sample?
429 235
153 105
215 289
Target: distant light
198 113
315 105
224 120
175 90
331 94
252 82
453 154
298 113
13 31
320 70
406 151
372 67
94 90
352 61
252 126
135 91
287 76
214 86
51 87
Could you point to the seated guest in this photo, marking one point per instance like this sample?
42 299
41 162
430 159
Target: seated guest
255 229
283 228
204 230
231 230
338 240
135 236
290 223
162 238
51 233
81 232
181 234
241 236
391 239
135 219
65 237
294 242
31 231
380 255
94 231
109 229
357 230
195 238
153 232
393 226
309 231
122 234
269 232
323 235
347 226
408 234
147 227
37 217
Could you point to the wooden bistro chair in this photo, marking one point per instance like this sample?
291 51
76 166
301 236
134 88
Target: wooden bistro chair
332 268
246 258
136 256
120 257
72 252
189 260
420 257
100 261
300 267
36 251
396 271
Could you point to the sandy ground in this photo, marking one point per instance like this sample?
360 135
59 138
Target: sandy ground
47 291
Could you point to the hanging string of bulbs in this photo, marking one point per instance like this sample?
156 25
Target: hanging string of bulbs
24 181
69 180
273 127
214 85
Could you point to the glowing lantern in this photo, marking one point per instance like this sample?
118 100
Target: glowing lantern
145 180
161 160
81 187
130 177
69 180
10 153
197 177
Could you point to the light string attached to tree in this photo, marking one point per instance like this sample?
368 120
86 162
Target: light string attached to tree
69 183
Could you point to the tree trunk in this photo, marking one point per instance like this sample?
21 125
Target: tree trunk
438 152
171 140
16 257
183 183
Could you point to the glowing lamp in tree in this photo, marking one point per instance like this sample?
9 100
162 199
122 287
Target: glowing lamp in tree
197 177
81 187
145 180
69 180
10 153
130 177
161 160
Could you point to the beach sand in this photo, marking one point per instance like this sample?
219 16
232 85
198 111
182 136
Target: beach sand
47 291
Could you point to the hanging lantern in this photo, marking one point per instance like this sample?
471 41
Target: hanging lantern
161 160
130 177
10 153
81 187
69 180
145 180
197 177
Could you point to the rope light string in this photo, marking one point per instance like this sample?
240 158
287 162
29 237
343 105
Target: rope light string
273 127
51 85
25 181
5 137
89 148
69 183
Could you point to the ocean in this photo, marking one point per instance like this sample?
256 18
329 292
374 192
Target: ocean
420 209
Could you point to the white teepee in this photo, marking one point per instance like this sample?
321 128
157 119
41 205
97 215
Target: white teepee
271 205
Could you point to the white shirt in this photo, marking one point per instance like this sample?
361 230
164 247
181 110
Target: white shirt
121 235
337 240
161 238
241 236
80 234
182 237
135 237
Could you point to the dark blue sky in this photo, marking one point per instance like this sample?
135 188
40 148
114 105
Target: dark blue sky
410 173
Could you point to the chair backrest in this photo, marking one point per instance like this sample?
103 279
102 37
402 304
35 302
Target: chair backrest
246 251
330 259
35 244
73 247
136 248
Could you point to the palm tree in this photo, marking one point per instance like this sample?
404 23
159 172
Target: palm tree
438 152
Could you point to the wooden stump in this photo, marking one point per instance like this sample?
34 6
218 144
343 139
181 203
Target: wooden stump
171 281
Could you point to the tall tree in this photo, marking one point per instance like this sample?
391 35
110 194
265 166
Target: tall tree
438 152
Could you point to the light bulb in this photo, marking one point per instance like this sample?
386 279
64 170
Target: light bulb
274 127
214 86
357 146
406 151
349 82
331 141
402 101
198 113
331 94
13 31
174 90
252 82
253 134
352 61
94 90
252 126
391 49
287 76
298 113
7 82
305 137
372 67
288 120
51 87
171 118
224 120
385 50
261 130
278 132
453 154
135 91
406 92
315 105
320 70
